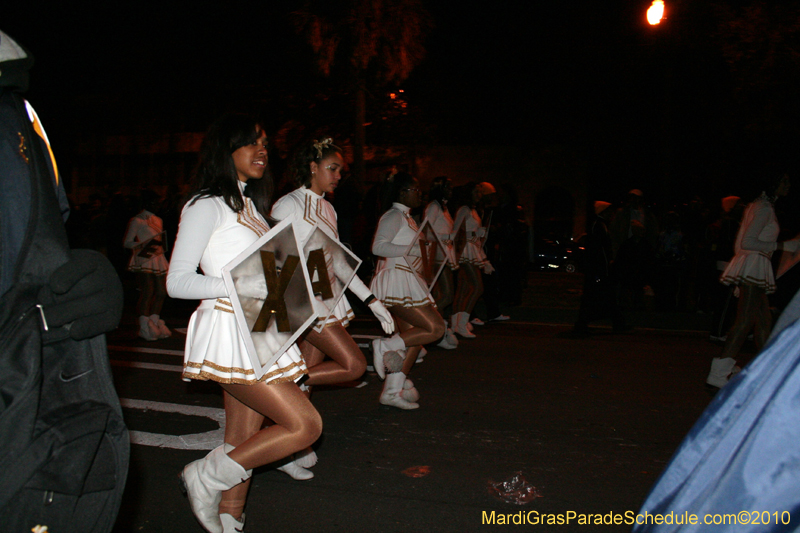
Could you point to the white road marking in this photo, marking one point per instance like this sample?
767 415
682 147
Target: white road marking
138 349
147 366
368 344
196 441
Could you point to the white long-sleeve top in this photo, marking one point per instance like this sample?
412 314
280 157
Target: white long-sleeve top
210 235
395 232
306 208
467 215
440 219
759 230
473 249
142 227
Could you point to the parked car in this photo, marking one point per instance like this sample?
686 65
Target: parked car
557 253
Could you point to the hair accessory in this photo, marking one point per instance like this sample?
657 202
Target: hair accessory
319 146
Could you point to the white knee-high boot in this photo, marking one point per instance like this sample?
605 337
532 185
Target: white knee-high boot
205 479
381 346
449 341
409 392
391 392
230 524
145 330
460 321
720 370
296 471
306 458
159 327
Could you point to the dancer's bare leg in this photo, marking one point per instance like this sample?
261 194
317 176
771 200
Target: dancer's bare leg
346 363
426 326
411 352
763 320
241 423
159 294
469 290
475 280
146 284
311 354
443 290
297 423
462 292
752 309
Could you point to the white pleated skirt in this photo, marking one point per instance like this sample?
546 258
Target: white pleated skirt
215 350
473 254
342 313
752 268
399 286
154 265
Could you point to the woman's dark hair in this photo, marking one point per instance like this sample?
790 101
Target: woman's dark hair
462 195
771 182
438 190
310 151
216 174
393 186
149 200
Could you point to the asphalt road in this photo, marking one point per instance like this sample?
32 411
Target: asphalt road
588 423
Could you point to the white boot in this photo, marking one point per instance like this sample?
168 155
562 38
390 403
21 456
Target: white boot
391 392
421 355
409 392
205 479
451 337
460 321
159 328
379 349
449 341
296 471
306 458
720 371
230 524
145 329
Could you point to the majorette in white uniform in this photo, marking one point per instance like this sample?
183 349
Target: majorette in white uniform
755 242
442 224
306 207
211 234
394 282
473 250
143 227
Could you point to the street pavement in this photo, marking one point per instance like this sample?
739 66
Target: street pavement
583 425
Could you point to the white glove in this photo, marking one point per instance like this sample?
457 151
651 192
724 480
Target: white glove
254 286
382 314
488 268
791 246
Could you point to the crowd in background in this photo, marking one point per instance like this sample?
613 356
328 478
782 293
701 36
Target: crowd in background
664 259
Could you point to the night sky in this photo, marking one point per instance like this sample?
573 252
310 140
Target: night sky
640 104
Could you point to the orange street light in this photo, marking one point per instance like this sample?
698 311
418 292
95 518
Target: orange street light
656 12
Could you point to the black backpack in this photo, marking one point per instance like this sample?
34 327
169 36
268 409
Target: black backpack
64 447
